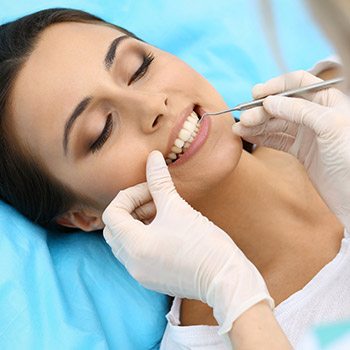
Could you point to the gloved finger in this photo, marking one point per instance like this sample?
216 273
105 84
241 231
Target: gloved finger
145 212
329 97
244 131
159 179
125 203
281 126
108 235
284 82
122 231
280 142
123 242
271 126
298 111
254 116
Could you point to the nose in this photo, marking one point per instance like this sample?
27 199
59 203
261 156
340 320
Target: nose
148 109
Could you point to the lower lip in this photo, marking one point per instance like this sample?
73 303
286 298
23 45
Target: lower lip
196 144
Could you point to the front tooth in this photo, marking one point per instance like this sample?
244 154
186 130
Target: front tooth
179 143
176 149
192 121
191 139
184 135
172 156
168 161
189 126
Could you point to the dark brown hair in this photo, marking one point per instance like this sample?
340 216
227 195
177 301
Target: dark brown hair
24 183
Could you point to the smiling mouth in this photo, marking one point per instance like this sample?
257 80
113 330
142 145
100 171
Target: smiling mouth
185 136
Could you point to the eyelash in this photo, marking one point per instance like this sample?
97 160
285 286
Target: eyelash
107 130
147 60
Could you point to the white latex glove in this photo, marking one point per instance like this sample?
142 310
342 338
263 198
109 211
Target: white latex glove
315 129
181 252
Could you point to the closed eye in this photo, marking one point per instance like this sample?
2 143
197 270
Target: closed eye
106 132
147 60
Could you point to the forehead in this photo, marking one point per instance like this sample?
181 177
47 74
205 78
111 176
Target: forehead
60 71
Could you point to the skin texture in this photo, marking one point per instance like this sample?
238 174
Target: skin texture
264 201
63 80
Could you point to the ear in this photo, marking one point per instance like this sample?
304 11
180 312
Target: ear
84 219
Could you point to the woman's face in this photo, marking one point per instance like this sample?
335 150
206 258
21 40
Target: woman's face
90 74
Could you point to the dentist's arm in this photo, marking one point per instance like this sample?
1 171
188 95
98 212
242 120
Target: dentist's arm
182 253
315 129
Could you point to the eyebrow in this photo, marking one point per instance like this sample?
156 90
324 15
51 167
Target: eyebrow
110 56
83 105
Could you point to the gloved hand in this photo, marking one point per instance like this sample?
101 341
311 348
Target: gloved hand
315 129
181 253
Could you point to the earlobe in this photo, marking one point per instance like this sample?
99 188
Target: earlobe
82 219
64 220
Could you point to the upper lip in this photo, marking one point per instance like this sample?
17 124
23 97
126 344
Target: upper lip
178 126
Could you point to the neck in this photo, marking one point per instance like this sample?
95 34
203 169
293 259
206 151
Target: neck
272 212
263 205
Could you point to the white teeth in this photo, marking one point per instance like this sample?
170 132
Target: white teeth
172 156
194 116
193 120
184 135
179 143
176 149
189 126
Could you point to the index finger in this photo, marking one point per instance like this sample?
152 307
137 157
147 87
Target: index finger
127 201
284 82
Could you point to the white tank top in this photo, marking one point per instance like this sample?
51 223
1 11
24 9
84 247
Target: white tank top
326 298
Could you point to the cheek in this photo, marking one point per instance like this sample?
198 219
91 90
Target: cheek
103 177
123 171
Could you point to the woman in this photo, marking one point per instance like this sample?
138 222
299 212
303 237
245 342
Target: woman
132 98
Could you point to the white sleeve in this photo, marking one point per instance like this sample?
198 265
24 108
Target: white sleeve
329 62
177 337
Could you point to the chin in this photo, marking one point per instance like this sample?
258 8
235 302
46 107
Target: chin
212 165
222 160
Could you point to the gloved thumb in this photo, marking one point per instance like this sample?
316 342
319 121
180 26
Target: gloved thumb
297 110
159 180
